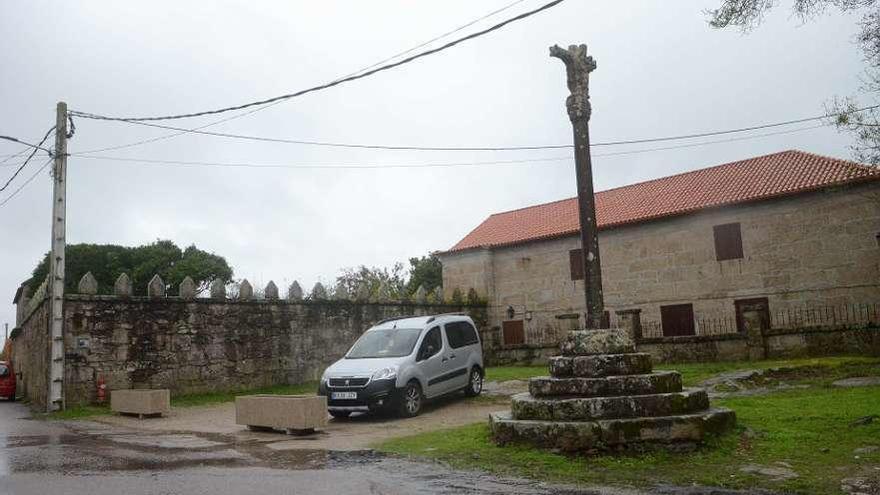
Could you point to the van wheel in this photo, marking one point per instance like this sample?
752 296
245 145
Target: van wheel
340 414
410 400
475 383
12 397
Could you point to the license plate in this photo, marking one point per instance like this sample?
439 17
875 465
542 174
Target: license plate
344 395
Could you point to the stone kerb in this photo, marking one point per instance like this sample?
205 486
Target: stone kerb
602 394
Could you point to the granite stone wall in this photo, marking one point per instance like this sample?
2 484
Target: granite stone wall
203 345
31 351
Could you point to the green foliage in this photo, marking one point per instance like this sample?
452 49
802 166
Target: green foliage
107 262
372 278
425 271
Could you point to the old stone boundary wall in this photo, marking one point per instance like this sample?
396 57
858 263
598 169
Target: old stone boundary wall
31 350
769 344
193 345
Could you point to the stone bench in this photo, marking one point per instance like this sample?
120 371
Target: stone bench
295 414
141 402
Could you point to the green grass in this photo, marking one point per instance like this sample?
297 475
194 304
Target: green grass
694 373
505 373
795 426
189 400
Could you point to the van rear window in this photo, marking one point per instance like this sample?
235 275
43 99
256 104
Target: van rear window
460 334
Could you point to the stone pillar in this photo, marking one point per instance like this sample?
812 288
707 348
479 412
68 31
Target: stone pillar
753 322
630 320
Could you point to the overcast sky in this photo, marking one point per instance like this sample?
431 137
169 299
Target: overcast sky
661 71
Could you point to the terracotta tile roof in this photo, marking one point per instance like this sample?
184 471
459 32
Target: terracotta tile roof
763 177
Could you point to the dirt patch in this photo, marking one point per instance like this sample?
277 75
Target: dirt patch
355 433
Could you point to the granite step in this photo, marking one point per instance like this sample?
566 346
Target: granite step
658 382
587 435
525 406
597 366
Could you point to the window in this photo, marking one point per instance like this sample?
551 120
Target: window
387 342
431 344
576 261
4 371
677 320
460 334
513 332
728 242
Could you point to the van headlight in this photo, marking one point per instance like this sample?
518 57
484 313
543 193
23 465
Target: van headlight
324 378
385 374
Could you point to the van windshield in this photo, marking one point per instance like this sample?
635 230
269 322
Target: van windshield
385 343
4 370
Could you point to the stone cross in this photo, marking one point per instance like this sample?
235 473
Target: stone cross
578 67
122 287
271 291
187 289
294 292
245 290
156 287
88 284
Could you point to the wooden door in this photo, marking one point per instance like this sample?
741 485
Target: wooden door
513 332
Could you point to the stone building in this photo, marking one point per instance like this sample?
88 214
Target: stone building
785 231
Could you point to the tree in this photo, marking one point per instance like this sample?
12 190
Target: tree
864 125
426 271
163 257
372 278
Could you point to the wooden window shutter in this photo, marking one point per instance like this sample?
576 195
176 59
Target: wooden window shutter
576 263
728 241
677 320
513 332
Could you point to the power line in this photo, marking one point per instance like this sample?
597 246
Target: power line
704 143
28 159
437 38
34 146
429 165
499 148
326 166
25 183
264 107
9 157
335 82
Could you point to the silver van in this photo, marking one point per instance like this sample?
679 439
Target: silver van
400 362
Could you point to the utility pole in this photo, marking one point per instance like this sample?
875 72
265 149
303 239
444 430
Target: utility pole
55 400
578 67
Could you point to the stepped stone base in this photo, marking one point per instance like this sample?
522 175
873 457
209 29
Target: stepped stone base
524 406
588 435
659 382
588 342
597 366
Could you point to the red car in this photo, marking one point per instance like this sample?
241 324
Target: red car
7 380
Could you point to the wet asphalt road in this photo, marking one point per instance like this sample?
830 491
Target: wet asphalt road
47 457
